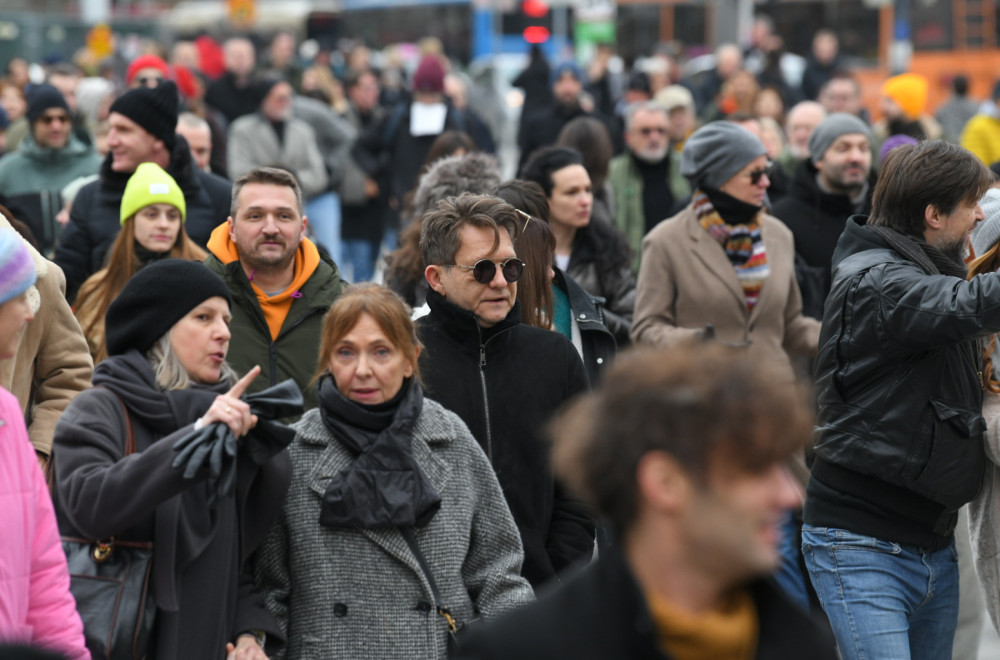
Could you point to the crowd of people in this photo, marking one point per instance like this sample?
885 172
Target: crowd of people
706 378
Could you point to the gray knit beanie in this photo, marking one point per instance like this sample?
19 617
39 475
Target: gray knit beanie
716 152
831 128
987 232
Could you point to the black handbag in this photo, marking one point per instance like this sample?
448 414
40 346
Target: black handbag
110 580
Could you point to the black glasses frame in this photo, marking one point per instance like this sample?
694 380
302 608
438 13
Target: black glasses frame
757 174
484 270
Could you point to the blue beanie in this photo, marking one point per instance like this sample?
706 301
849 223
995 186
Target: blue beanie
17 269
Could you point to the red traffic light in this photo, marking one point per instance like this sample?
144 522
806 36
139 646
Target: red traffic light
534 8
536 34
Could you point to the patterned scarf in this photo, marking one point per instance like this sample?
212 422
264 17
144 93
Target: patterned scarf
742 243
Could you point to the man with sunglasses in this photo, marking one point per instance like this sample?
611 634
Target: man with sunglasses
645 178
48 158
503 378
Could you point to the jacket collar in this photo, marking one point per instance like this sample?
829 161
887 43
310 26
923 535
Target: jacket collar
806 189
462 325
181 168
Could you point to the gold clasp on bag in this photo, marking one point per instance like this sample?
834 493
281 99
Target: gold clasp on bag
446 615
103 549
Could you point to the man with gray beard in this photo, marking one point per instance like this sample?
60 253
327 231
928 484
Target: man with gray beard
640 177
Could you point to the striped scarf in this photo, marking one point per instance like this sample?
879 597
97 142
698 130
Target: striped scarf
743 245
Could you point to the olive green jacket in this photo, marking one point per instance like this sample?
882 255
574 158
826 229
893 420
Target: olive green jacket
295 352
626 182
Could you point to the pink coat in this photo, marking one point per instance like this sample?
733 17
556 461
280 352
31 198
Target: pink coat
36 606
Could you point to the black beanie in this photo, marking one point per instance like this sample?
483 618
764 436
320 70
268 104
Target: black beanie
43 97
156 298
153 108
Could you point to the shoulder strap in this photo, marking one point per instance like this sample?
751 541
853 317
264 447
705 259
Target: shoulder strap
129 436
442 610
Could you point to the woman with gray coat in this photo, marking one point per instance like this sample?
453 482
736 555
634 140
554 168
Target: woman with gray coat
395 534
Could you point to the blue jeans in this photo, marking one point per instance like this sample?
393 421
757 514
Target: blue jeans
359 259
790 575
323 212
885 601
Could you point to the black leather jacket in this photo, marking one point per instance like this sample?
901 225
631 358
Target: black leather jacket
898 380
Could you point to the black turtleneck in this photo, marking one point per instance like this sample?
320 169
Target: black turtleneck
147 257
279 130
731 210
657 200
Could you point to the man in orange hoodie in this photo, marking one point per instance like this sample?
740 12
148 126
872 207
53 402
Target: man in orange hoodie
281 285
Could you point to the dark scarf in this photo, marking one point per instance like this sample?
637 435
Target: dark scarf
185 524
384 486
919 251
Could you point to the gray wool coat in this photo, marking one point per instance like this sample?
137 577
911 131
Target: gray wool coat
349 593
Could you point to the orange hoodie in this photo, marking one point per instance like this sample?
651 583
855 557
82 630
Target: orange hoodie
275 308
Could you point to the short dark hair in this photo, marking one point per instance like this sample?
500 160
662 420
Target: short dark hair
547 160
439 239
705 405
268 175
961 85
932 173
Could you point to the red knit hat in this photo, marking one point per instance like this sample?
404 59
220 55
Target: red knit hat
146 62
429 76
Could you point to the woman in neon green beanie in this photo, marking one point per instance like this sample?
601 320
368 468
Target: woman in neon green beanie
152 216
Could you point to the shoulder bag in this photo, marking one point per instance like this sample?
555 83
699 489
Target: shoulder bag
111 582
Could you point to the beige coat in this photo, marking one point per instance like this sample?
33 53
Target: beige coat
52 363
686 282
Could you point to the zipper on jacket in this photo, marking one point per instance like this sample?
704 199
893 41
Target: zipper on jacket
486 401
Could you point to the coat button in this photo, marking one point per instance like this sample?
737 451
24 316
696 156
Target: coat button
600 360
339 609
423 607
582 316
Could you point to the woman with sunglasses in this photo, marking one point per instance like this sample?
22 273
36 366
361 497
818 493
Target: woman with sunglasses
395 531
594 254
723 268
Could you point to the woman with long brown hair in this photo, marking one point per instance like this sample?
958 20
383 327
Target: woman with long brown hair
152 216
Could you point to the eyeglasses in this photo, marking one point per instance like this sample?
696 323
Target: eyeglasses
757 174
485 270
527 218
149 81
649 130
48 119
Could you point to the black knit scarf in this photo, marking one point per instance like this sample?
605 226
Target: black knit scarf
920 251
384 486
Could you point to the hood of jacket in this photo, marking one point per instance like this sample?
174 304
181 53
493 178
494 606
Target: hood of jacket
857 238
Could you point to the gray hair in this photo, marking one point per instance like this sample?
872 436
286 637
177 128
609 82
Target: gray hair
649 106
170 373
192 120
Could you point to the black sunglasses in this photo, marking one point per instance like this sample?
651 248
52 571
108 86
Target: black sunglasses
485 270
149 81
757 174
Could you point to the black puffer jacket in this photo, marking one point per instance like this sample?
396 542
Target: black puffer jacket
817 220
95 220
899 395
505 382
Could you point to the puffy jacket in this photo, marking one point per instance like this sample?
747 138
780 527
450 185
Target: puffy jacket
36 606
95 220
505 382
32 178
897 381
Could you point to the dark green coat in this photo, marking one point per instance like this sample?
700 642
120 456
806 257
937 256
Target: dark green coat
294 353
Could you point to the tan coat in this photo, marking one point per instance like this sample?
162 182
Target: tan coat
52 363
686 282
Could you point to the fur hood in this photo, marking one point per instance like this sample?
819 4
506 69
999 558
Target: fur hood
453 175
